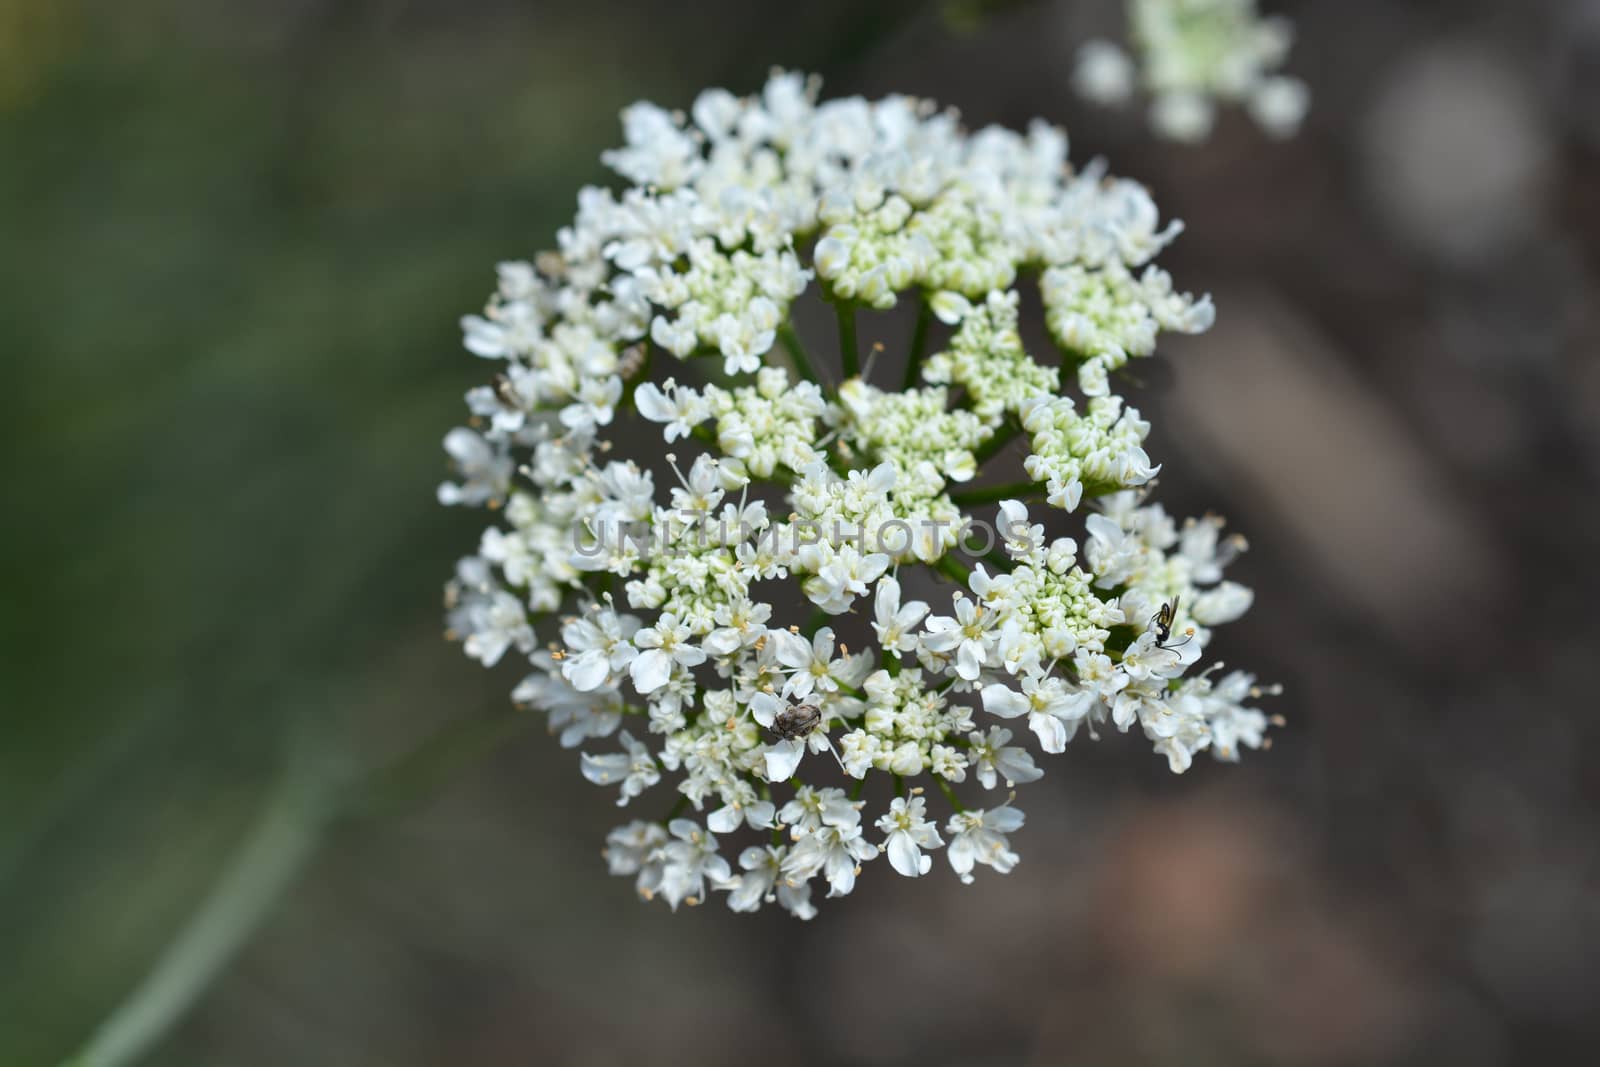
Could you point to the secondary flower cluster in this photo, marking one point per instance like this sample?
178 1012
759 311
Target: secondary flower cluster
666 310
1192 55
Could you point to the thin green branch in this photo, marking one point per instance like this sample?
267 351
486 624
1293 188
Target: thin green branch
797 353
814 622
954 569
949 794
301 812
849 354
919 342
990 448
999 561
283 839
988 494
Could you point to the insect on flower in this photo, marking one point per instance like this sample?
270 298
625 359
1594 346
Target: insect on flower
796 721
1162 621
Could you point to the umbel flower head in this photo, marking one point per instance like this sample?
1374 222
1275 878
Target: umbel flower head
1189 56
735 569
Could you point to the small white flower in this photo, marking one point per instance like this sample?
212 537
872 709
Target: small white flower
846 575
1182 116
1053 709
893 622
496 623
813 666
835 852
687 860
485 470
680 407
814 808
740 806
762 881
909 832
664 644
598 647
967 634
632 849
636 769
995 758
1222 604
1104 73
1193 54
1279 105
979 836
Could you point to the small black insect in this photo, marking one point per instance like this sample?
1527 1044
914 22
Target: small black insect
1162 621
796 721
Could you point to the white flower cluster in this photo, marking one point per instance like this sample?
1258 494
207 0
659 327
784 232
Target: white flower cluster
1193 54
665 313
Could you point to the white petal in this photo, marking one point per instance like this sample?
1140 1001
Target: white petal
653 403
604 770
1225 603
722 642
791 649
969 660
962 855
725 820
1051 731
783 758
764 707
651 670
1006 703
1005 819
904 857
586 672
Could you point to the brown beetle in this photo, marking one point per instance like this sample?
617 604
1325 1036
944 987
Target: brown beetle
796 721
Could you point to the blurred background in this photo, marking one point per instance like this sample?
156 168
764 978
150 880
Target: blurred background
234 245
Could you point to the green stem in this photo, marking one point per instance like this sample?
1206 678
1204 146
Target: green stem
797 353
814 622
949 794
849 355
990 448
999 561
301 812
919 341
283 840
990 493
899 786
855 790
953 569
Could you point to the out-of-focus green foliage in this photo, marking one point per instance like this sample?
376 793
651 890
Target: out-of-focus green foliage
235 243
